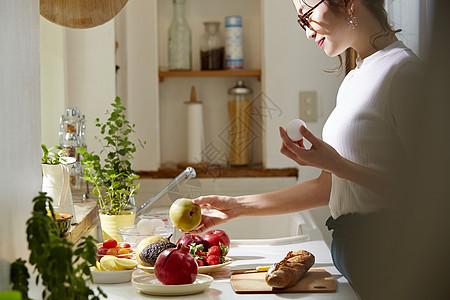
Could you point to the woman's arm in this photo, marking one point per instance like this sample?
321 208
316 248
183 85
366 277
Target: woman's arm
306 195
323 156
217 210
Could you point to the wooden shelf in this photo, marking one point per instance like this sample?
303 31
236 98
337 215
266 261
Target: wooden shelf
87 217
223 172
219 73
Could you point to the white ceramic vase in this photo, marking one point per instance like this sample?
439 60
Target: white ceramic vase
56 183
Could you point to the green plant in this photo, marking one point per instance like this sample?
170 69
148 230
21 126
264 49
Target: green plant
19 277
62 268
114 180
53 155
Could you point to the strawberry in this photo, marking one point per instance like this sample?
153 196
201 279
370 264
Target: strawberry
214 250
200 262
213 260
203 254
111 243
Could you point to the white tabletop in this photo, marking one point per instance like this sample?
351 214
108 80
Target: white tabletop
246 256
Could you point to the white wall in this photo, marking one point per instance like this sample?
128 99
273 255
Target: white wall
91 80
77 70
20 178
137 58
53 79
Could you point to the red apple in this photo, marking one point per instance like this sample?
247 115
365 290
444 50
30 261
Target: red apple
176 266
188 239
216 236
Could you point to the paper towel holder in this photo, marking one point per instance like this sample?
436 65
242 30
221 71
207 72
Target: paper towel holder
193 99
198 164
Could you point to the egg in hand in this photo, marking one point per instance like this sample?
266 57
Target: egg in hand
293 129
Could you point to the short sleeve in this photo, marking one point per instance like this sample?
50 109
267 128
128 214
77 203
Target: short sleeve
407 102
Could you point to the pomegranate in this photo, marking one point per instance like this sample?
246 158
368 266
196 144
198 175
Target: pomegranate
176 266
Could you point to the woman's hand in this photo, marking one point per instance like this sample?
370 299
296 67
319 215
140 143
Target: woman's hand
320 155
216 210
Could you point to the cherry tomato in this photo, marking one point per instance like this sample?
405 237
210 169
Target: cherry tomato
126 245
111 243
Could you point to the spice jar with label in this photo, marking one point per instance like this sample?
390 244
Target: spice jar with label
212 47
240 113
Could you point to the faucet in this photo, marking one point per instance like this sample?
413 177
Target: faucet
185 175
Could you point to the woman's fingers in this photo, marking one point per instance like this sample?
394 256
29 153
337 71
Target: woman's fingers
307 134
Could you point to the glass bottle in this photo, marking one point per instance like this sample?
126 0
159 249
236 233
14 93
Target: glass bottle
212 47
240 113
179 44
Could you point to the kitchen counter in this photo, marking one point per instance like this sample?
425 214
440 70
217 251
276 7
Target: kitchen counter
246 256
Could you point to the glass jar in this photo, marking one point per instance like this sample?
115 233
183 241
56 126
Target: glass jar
179 44
212 47
240 113
71 138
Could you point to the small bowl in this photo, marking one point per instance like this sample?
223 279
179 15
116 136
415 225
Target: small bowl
130 255
130 234
111 276
64 222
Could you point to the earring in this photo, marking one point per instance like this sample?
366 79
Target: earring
352 21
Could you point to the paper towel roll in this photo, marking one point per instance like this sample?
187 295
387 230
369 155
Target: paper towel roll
195 132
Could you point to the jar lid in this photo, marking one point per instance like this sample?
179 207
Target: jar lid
73 112
240 89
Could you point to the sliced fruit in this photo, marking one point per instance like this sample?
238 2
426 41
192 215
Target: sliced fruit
108 263
144 243
99 266
125 264
49 213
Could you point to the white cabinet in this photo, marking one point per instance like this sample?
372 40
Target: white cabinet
158 108
273 42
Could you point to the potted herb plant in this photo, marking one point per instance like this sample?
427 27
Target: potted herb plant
62 268
112 177
56 167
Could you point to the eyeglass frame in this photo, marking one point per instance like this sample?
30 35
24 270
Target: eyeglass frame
302 19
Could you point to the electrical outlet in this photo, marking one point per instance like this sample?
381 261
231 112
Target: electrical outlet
308 106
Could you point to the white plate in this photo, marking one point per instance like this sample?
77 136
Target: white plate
111 276
201 270
149 284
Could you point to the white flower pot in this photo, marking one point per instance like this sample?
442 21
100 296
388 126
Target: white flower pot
56 183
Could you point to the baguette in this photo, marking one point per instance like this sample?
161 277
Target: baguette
288 272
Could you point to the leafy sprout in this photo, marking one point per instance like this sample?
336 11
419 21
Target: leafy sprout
53 155
113 178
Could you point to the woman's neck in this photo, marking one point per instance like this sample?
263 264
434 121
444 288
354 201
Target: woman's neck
367 49
369 35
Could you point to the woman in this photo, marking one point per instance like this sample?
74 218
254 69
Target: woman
364 155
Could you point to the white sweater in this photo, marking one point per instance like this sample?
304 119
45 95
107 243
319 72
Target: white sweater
371 123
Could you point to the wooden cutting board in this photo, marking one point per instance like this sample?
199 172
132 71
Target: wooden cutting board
252 282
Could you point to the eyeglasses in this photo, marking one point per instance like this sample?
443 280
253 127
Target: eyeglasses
303 19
